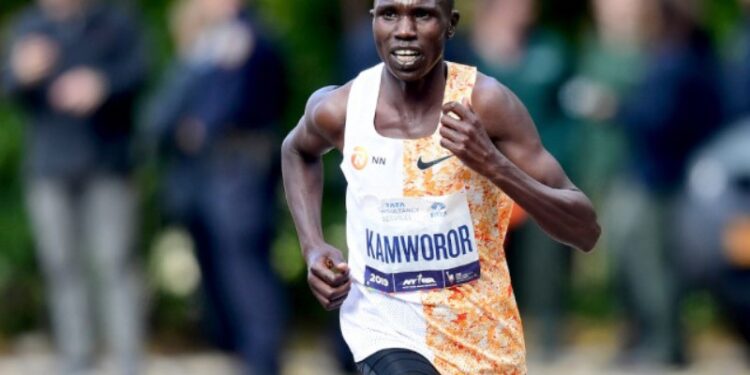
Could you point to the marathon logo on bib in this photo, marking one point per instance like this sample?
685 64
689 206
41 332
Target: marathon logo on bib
409 281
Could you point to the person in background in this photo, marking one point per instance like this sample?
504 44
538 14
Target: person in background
507 44
609 66
75 67
216 119
674 109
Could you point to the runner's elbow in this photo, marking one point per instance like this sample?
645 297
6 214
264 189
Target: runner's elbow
287 146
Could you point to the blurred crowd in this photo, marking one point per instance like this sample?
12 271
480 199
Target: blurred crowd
644 112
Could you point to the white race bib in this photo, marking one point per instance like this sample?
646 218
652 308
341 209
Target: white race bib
417 243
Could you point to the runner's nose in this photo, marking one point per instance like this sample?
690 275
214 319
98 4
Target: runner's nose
406 29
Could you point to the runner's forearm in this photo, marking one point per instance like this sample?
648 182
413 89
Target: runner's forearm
303 187
565 214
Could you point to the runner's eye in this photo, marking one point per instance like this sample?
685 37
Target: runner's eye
422 15
388 14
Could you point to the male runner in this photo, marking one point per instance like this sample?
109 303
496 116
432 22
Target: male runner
435 154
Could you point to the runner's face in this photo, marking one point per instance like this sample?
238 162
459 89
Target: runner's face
410 35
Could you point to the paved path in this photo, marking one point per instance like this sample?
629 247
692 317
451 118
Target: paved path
711 356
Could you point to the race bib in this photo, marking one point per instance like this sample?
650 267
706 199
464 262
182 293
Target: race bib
415 244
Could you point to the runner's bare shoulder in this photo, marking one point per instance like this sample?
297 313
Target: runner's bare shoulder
326 112
500 110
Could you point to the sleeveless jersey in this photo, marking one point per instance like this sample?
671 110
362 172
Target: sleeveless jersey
425 237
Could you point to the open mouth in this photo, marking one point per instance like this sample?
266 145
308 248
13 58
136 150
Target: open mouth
406 57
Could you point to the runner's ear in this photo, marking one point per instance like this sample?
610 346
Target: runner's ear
455 17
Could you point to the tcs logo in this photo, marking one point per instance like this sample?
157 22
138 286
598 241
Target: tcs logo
359 158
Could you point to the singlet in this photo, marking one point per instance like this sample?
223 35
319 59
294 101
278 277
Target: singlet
425 237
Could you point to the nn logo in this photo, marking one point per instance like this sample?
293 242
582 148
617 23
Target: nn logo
379 160
360 158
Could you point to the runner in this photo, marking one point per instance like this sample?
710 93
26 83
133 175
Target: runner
435 154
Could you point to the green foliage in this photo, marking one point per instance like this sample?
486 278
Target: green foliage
18 274
722 17
308 32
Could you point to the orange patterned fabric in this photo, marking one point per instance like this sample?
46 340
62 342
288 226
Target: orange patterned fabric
473 328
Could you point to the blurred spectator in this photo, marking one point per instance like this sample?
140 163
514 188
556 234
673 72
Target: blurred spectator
609 66
75 67
507 44
675 108
216 118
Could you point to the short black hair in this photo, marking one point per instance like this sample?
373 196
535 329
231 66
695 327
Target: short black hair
451 4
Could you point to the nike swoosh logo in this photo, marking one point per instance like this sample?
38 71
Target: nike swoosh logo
422 165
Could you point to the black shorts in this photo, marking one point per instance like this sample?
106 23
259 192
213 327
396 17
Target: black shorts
396 362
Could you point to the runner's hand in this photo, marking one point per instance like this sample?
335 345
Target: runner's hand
463 134
328 276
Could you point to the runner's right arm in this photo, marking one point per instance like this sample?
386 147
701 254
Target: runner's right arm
318 131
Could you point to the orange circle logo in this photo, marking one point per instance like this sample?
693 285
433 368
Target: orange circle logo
359 158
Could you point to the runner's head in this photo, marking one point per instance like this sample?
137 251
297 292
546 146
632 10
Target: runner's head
410 35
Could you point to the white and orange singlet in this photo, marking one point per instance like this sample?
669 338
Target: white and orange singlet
425 237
